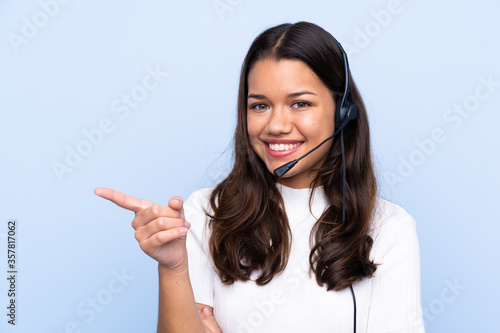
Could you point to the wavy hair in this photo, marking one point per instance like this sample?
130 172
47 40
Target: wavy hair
249 227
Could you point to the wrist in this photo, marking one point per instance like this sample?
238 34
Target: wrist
178 270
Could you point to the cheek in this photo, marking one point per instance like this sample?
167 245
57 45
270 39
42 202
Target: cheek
316 127
323 124
254 127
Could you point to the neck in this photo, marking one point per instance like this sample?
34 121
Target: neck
300 183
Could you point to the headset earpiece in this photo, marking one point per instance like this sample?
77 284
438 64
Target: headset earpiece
352 110
346 110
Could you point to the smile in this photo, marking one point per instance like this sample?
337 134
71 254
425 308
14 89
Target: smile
282 147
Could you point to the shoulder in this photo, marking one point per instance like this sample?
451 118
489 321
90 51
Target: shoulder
387 214
195 208
391 225
199 199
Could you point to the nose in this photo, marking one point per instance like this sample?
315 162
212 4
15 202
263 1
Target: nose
279 122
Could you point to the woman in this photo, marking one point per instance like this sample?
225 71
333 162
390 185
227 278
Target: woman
312 251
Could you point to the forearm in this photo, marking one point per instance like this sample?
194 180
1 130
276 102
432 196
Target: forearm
177 308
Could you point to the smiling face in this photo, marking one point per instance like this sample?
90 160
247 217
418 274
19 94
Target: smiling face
289 112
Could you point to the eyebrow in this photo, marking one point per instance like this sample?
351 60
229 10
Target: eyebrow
292 95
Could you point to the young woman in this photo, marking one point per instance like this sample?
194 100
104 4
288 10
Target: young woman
312 251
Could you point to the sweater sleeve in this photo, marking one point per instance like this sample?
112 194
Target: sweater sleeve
396 296
201 271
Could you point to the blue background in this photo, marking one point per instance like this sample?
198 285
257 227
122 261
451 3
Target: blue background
65 67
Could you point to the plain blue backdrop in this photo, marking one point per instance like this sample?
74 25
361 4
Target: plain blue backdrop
141 97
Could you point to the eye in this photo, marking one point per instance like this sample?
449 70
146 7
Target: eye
259 107
300 105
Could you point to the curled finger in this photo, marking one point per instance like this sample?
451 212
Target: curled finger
157 225
160 238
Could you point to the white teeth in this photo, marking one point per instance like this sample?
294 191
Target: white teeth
281 146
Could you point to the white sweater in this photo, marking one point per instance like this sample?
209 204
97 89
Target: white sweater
293 301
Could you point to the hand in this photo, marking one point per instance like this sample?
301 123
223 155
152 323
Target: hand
208 321
160 230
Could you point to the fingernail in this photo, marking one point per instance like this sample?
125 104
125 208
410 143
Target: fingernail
183 230
198 311
206 311
182 215
177 201
187 224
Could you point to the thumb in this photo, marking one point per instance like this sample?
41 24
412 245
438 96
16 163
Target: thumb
177 204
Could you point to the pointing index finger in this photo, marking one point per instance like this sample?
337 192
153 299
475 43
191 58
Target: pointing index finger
123 200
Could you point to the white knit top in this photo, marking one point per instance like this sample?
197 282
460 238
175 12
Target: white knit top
293 301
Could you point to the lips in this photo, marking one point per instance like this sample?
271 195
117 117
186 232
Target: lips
281 148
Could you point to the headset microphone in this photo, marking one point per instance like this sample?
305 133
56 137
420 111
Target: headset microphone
351 115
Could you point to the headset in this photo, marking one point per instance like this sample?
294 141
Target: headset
346 111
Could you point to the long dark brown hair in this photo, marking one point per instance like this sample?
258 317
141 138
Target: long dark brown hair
249 230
